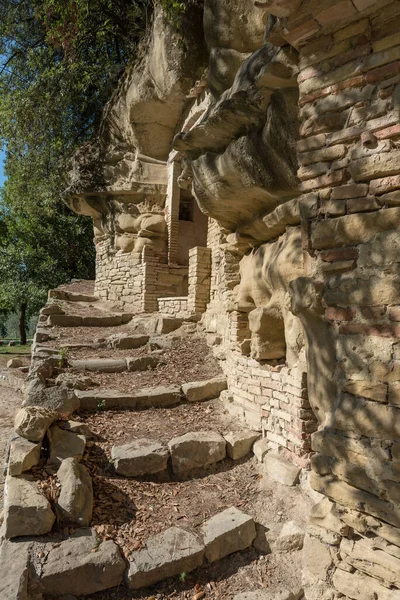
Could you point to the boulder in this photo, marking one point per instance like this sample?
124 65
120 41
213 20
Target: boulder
291 538
100 365
140 457
75 382
167 554
58 398
32 422
14 363
197 391
281 470
23 455
142 363
196 450
75 502
26 510
165 325
64 444
14 569
82 565
227 532
260 449
127 342
240 443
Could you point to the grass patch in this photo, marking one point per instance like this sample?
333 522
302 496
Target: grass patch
15 349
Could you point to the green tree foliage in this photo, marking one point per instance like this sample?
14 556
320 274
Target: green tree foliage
60 61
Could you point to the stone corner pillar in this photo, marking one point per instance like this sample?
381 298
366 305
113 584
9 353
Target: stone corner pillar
199 279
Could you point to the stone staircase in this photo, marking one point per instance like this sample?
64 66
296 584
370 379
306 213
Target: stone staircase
52 485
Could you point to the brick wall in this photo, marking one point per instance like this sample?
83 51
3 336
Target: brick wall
175 307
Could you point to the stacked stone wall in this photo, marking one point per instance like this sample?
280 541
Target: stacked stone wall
136 281
350 170
175 307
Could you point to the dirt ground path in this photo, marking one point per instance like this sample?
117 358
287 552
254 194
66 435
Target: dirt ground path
9 403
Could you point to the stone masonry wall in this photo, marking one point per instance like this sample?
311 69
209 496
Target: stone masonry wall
350 170
136 281
267 396
175 307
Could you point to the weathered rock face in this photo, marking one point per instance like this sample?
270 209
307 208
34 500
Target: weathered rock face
293 154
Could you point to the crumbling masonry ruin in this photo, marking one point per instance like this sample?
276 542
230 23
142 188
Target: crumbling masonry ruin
257 191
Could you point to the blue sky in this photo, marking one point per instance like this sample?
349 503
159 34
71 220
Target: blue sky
2 156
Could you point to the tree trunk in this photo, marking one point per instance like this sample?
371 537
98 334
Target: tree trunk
22 324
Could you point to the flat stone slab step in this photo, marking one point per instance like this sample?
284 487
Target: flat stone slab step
89 321
81 565
71 296
227 532
158 397
199 391
167 554
140 457
196 450
115 365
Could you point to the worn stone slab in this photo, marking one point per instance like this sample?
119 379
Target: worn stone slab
52 309
229 531
142 363
100 365
240 443
140 457
159 397
58 294
167 554
102 321
82 565
261 449
290 538
127 342
281 470
358 586
26 510
14 363
196 450
14 569
105 399
197 391
167 324
23 455
32 422
64 444
64 321
75 503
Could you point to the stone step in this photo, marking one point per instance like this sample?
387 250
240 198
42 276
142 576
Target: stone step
167 554
88 321
177 551
281 470
71 296
140 457
81 565
196 450
115 365
157 397
198 391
